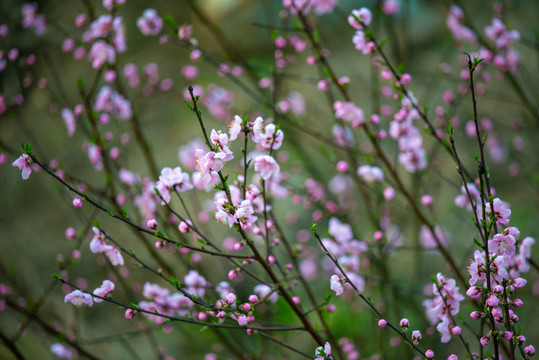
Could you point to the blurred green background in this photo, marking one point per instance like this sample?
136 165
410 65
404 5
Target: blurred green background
35 213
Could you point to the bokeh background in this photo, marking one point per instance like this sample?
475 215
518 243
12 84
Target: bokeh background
35 213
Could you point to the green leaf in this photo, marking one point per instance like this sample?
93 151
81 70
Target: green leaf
478 243
316 35
80 83
169 20
313 227
56 276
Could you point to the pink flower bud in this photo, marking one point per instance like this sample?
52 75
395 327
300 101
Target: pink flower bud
416 336
427 200
70 233
382 323
77 202
130 313
404 324
152 224
484 341
253 298
429 354
476 315
230 299
406 79
456 330
342 166
519 283
232 274
529 351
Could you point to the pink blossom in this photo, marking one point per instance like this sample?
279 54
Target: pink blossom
404 324
390 7
416 336
264 290
336 285
24 163
61 351
266 166
370 173
268 136
187 153
150 23
207 162
241 319
244 215
104 290
348 112
360 18
235 128
185 32
501 211
79 298
77 202
502 245
382 323
175 178
323 353
127 177
195 283
69 120
428 241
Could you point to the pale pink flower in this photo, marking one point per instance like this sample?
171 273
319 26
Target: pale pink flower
244 215
348 112
502 245
150 23
196 284
501 211
390 7
104 290
370 173
208 162
235 128
61 351
77 202
264 290
266 166
185 32
127 177
24 163
323 353
336 285
267 135
416 336
363 15
79 298
69 120
321 7
175 178
186 153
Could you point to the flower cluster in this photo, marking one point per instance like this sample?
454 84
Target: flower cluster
98 245
359 20
444 306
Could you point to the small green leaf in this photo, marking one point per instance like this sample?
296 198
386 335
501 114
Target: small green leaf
56 276
80 83
169 20
478 243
